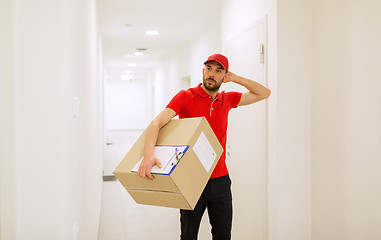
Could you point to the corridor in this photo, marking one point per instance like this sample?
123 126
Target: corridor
72 70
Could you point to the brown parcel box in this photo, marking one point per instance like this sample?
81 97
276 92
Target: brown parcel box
184 185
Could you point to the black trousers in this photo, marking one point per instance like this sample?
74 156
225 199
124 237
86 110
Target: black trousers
217 198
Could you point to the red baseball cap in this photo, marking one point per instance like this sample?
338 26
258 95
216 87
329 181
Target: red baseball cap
221 59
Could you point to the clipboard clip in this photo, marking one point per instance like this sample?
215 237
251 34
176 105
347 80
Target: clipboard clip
177 156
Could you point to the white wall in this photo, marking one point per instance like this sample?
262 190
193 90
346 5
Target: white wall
327 110
7 126
55 158
294 56
188 60
346 115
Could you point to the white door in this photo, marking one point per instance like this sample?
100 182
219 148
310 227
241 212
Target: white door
125 119
247 137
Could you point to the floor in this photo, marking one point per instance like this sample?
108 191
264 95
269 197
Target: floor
123 219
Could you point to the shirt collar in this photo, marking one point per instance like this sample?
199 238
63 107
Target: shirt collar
203 94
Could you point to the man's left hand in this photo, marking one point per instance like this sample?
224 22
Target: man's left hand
230 77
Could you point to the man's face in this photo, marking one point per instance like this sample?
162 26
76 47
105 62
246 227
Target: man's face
213 76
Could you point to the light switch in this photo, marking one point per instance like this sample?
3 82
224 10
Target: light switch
75 107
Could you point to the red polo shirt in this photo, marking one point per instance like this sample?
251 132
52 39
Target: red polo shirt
195 102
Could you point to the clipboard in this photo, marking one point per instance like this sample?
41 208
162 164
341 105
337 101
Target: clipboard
169 157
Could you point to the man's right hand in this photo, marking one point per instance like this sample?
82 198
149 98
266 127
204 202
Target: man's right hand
146 166
151 135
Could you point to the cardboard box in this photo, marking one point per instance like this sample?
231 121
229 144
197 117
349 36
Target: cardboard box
182 186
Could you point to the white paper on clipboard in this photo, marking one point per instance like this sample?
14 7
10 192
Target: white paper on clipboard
204 151
169 157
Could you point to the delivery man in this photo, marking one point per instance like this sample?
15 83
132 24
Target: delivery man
206 101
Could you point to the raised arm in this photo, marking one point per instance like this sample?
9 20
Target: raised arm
256 91
151 135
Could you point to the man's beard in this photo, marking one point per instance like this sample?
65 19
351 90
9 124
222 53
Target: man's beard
213 88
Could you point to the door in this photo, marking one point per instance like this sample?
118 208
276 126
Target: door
247 136
125 119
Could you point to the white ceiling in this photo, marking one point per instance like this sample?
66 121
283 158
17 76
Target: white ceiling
177 21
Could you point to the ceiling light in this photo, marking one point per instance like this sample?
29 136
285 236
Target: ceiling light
132 64
127 71
138 53
152 32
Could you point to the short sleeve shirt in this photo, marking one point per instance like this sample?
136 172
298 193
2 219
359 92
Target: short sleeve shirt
195 102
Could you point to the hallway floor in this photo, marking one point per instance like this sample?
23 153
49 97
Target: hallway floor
123 219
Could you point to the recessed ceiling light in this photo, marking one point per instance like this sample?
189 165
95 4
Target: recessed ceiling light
152 32
132 64
137 53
